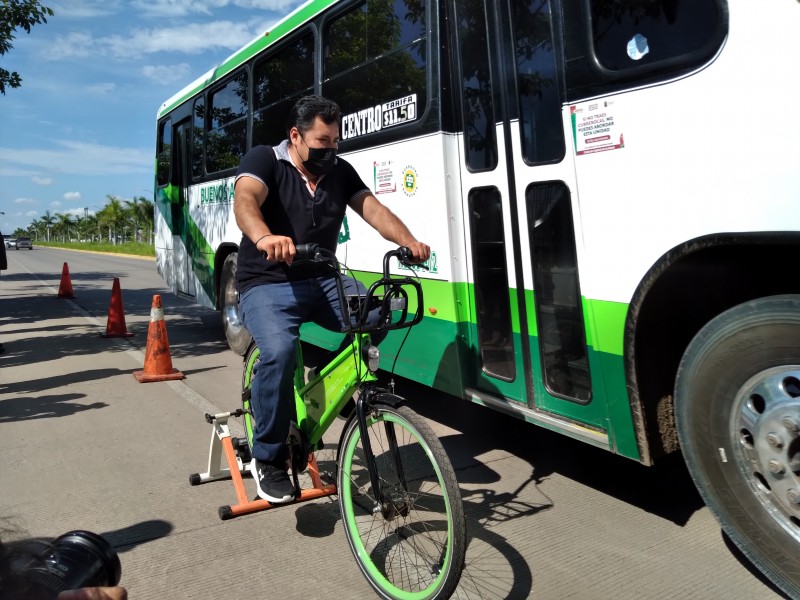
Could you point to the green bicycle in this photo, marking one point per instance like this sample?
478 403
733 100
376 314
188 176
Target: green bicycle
398 494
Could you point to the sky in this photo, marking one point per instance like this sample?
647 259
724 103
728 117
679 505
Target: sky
82 125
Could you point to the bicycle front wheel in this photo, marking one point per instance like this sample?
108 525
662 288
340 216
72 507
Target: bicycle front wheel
412 546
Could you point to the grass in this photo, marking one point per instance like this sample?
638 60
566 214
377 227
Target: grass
137 249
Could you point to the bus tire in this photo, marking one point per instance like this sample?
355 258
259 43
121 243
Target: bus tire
737 410
238 337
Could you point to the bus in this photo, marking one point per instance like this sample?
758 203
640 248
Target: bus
611 192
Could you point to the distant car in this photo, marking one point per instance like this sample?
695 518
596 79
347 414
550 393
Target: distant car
24 242
11 242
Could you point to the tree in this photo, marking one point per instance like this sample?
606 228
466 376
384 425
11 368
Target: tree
48 220
15 14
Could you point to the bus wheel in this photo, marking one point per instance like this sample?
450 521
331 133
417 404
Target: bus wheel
238 337
737 409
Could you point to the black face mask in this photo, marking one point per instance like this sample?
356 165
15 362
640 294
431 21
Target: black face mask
320 160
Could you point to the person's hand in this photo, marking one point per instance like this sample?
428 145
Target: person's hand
421 252
95 593
279 248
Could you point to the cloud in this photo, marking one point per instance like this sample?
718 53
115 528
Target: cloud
167 74
77 158
72 196
42 180
182 8
81 9
76 44
55 204
101 88
31 213
25 201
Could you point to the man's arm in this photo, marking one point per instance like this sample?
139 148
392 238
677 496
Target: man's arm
248 196
389 225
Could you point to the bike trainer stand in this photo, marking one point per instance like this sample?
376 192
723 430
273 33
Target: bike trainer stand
221 442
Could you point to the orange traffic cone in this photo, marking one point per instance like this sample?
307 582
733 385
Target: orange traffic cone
115 327
157 359
65 289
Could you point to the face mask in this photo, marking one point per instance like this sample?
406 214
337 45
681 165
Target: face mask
320 160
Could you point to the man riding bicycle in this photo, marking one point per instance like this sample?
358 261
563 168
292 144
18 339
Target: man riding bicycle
295 193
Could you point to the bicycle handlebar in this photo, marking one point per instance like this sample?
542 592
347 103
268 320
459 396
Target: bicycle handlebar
393 298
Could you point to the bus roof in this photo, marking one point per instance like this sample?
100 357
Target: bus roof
286 25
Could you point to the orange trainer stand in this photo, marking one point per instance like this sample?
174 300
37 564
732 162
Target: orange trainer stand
221 443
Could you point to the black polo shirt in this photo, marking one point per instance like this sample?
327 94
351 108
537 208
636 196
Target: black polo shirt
293 210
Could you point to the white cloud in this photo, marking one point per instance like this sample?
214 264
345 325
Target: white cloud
181 8
76 44
167 74
72 196
31 213
192 38
78 158
101 88
55 204
25 201
80 9
42 180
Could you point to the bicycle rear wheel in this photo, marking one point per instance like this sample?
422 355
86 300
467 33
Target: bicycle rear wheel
414 547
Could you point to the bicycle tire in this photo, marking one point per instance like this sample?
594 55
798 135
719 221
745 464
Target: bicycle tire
419 554
250 358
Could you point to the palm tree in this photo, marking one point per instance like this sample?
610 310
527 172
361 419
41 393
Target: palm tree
112 215
64 221
48 220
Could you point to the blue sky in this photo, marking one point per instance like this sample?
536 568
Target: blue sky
82 126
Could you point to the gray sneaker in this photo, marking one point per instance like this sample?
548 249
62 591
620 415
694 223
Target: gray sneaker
272 482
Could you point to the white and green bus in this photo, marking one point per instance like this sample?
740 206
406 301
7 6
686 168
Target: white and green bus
611 190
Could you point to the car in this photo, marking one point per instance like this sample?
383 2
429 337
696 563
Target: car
24 242
11 242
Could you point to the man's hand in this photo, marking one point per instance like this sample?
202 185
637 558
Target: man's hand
279 248
95 593
420 251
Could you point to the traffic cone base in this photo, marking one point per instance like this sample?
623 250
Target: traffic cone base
65 287
143 377
116 315
157 359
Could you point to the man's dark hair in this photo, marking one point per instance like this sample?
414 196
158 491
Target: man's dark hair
307 109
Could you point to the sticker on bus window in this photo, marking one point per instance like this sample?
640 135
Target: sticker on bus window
381 116
595 127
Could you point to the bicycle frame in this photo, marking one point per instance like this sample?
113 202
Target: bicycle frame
319 402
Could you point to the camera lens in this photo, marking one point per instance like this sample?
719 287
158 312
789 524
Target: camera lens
78 559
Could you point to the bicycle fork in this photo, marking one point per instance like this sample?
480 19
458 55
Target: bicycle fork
388 506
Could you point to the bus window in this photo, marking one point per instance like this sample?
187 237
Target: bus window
278 82
476 86
491 283
541 130
375 54
226 142
641 32
197 136
164 152
557 294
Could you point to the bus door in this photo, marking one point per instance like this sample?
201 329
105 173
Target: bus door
180 209
518 185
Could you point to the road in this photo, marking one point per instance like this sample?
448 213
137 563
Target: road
86 446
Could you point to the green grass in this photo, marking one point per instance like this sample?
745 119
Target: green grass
137 249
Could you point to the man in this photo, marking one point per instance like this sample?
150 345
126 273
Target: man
294 193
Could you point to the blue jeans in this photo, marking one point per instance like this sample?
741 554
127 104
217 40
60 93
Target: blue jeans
273 313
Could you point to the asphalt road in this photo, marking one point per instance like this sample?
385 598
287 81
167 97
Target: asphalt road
86 446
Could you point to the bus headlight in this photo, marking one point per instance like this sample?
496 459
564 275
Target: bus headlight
372 356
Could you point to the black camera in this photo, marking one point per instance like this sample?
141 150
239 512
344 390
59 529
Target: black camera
74 560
